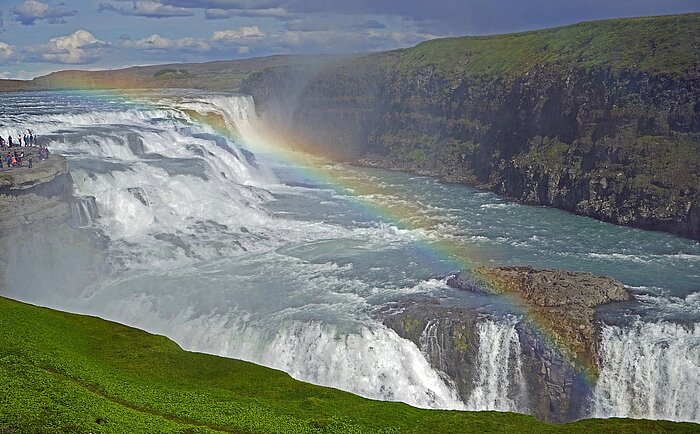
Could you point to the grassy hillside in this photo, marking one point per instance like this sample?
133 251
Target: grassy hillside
61 372
666 44
218 75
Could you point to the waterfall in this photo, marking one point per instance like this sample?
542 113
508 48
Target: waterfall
499 384
84 211
206 247
430 345
200 258
650 371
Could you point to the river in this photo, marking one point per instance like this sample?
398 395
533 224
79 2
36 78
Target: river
236 249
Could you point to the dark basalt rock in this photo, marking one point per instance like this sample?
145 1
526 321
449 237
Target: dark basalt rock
448 337
620 146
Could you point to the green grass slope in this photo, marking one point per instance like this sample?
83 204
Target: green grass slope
62 372
663 44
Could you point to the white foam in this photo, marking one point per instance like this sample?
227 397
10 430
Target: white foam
650 371
499 384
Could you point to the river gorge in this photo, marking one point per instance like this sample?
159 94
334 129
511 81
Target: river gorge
189 216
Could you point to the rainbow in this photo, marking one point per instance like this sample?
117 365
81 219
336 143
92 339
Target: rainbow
284 148
456 253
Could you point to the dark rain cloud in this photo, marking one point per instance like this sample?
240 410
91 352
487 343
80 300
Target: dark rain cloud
445 16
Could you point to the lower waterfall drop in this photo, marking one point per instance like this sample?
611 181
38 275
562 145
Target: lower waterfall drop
499 383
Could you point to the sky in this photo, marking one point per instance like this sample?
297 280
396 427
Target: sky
41 36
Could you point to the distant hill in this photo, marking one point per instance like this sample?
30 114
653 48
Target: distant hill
666 44
219 75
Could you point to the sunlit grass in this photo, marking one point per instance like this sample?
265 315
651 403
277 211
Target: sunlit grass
61 372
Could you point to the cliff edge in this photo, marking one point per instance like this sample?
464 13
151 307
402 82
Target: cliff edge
40 195
599 118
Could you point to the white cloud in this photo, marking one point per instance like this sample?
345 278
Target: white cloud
158 42
7 52
238 35
147 8
29 11
239 39
79 47
410 38
220 14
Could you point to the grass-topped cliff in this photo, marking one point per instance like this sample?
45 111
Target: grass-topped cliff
599 118
61 372
663 44
666 44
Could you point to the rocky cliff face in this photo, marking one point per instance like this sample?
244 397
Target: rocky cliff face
555 388
41 195
39 217
619 145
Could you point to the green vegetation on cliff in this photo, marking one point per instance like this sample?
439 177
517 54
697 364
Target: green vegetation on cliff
599 118
667 44
61 372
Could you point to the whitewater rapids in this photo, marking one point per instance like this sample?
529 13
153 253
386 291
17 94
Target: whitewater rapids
233 252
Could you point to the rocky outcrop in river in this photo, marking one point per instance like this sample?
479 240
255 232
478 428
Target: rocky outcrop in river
557 336
560 302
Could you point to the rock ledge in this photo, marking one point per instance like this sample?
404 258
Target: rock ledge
560 302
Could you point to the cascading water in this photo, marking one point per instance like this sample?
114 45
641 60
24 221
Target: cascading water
651 371
499 383
248 258
198 256
430 344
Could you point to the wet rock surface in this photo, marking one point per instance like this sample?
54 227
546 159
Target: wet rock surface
561 302
447 336
553 387
40 223
40 195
